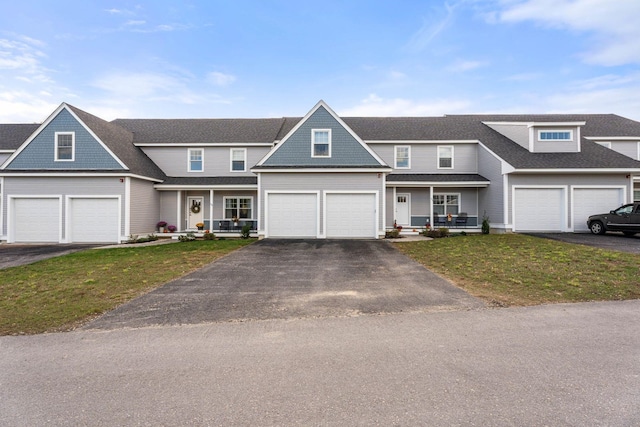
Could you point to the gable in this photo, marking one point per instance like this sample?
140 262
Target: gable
346 149
39 152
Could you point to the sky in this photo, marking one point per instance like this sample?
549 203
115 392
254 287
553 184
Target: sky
275 58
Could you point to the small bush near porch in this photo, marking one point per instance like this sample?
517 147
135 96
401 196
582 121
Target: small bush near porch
514 269
61 293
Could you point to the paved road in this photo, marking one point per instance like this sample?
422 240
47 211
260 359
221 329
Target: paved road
557 365
290 279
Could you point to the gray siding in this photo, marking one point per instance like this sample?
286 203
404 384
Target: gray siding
40 153
145 206
628 148
321 182
62 186
4 157
168 207
517 133
217 161
491 199
424 157
345 149
571 146
420 202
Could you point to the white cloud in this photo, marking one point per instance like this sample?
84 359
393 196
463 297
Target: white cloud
220 79
139 85
464 65
17 106
431 28
615 33
374 105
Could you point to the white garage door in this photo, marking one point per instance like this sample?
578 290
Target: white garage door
539 209
292 215
36 220
94 220
351 215
591 201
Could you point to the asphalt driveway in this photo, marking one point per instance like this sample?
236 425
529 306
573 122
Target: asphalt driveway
611 241
288 279
12 255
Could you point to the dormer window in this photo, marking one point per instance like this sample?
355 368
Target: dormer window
556 135
65 146
321 143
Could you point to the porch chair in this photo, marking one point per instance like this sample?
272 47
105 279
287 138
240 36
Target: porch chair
461 219
439 220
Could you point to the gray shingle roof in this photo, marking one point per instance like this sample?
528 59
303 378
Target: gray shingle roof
13 135
212 180
436 177
193 131
119 141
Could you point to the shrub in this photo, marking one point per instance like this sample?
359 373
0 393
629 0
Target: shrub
486 228
189 237
436 233
209 236
392 234
246 231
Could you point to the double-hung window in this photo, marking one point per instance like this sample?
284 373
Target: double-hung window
403 157
196 160
321 143
65 146
238 160
445 157
238 207
444 204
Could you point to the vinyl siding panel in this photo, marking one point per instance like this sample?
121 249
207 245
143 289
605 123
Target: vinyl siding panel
345 149
168 211
517 133
40 153
628 148
174 160
491 198
421 202
321 182
145 207
569 146
424 157
63 186
4 157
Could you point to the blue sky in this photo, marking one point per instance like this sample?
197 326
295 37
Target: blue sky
173 59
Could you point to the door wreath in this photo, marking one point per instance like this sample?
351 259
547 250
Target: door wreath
195 207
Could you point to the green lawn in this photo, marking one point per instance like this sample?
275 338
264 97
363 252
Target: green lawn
514 269
60 293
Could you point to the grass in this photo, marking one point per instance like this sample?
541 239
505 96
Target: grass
514 269
61 293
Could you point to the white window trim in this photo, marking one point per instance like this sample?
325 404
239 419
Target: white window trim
395 156
73 146
244 156
224 207
189 159
313 143
458 195
540 131
452 156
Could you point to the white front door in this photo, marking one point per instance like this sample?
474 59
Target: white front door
402 209
195 211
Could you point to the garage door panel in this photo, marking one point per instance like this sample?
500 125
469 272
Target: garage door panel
351 215
539 209
591 201
94 220
36 220
292 215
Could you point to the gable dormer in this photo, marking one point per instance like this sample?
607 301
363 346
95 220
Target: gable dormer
63 142
542 137
321 140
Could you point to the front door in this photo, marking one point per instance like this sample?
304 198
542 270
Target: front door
195 211
402 209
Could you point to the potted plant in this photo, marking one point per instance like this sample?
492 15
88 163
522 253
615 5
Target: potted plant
200 226
235 221
172 228
161 225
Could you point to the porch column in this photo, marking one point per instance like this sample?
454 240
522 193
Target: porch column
431 206
395 207
179 224
210 210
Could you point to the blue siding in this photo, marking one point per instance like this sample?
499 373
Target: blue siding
345 149
40 153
